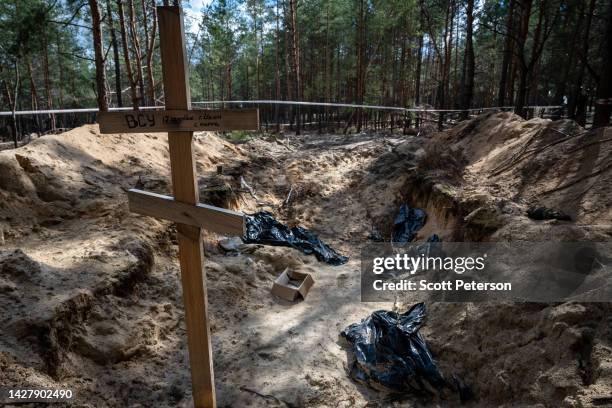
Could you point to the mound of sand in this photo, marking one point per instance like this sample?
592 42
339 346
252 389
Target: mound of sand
85 286
486 173
558 165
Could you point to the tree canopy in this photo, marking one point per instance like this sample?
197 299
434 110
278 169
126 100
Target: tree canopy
448 54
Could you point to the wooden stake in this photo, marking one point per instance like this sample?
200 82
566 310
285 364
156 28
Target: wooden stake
184 184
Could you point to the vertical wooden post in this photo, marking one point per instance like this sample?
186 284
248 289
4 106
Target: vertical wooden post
185 188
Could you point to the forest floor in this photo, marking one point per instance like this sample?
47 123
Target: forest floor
90 296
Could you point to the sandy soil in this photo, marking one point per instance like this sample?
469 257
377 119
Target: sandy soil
90 300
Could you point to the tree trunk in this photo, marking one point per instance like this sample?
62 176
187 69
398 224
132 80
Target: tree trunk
14 106
448 53
288 70
11 100
115 46
524 29
33 95
403 96
603 103
150 45
360 91
228 71
296 60
417 85
327 68
577 89
564 82
456 79
126 56
137 50
535 52
47 80
33 92
501 97
99 56
467 78
277 84
60 69
257 56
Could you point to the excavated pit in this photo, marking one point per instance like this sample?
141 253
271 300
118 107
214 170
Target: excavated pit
97 306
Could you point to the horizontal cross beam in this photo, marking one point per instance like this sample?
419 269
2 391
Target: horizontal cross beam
137 121
204 216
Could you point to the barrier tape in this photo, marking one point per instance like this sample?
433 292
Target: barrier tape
271 102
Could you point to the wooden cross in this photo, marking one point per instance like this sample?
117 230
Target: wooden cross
179 120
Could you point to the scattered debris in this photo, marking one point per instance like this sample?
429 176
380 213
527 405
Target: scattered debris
545 213
375 235
292 284
263 228
231 244
288 199
391 355
407 223
267 396
244 185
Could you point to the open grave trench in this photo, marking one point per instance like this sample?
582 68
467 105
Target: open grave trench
90 295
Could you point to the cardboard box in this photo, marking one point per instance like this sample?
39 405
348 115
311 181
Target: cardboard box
292 284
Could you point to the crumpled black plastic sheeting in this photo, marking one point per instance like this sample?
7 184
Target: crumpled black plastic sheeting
407 222
545 213
390 354
263 228
434 238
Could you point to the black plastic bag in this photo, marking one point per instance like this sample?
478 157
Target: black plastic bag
545 213
407 223
263 228
434 238
391 355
